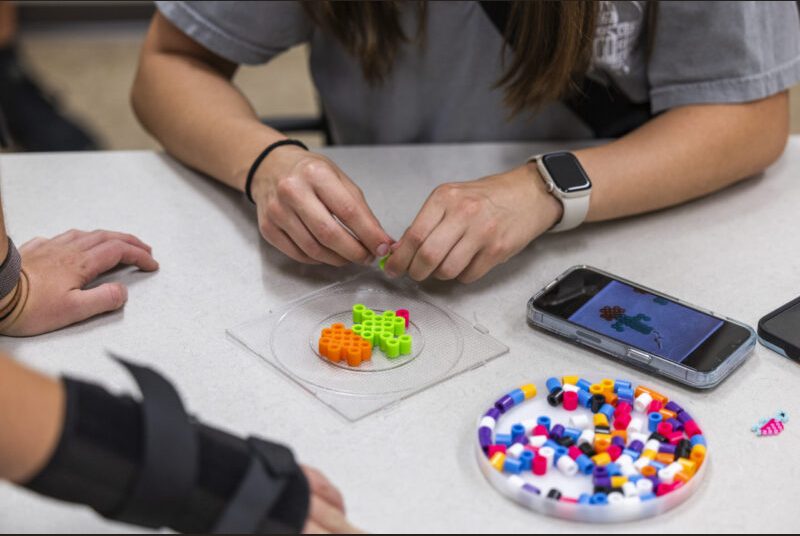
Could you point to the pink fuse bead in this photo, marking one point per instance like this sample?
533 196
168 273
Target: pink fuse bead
622 408
664 428
539 465
691 428
574 452
403 313
622 421
540 430
570 400
655 406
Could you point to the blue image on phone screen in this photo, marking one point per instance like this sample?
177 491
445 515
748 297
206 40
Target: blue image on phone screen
645 321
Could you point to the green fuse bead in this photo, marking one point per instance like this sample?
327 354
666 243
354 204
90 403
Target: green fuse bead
358 311
357 328
399 327
392 348
382 261
384 344
388 313
368 324
405 344
370 336
367 314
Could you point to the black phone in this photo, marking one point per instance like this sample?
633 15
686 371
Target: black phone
780 330
643 327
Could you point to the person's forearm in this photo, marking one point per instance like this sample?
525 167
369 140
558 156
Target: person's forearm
31 414
684 153
194 110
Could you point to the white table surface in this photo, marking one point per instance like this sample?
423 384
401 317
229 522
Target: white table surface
412 467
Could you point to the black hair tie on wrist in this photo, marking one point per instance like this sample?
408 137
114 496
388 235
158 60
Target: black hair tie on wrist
257 162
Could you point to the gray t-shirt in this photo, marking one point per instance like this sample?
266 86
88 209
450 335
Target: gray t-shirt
444 91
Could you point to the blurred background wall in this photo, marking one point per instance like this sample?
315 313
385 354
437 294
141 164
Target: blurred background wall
85 55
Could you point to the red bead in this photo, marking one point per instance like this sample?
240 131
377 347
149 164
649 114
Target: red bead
570 400
574 452
621 422
674 437
539 465
655 406
622 407
494 449
691 428
664 428
540 430
615 451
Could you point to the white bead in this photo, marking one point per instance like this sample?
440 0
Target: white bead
487 421
615 497
644 485
666 476
567 465
587 436
569 387
547 453
529 425
624 460
515 450
631 500
641 463
653 445
581 422
642 402
642 438
629 489
537 440
675 467
635 425
515 481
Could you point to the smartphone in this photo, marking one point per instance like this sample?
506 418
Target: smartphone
639 326
780 330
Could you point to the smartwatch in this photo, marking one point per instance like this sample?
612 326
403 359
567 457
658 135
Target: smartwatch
565 179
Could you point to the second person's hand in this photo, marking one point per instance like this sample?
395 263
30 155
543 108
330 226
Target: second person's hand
313 212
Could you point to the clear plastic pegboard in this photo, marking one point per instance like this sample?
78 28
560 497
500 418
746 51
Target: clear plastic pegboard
444 344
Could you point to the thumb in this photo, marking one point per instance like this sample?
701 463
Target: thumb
94 301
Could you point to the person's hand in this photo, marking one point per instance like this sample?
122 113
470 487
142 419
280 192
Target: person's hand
304 203
464 229
59 268
326 510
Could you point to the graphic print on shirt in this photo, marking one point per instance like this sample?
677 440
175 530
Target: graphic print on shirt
619 26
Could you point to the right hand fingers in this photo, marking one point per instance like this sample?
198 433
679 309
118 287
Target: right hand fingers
320 485
329 518
107 255
278 238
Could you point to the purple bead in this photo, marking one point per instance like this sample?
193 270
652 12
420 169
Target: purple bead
504 404
494 413
522 440
485 437
636 445
618 441
672 406
666 447
655 480
676 424
600 471
684 417
531 489
602 481
556 432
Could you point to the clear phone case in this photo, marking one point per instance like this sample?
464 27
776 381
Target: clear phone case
635 356
444 344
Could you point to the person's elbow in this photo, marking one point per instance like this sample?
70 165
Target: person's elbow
769 130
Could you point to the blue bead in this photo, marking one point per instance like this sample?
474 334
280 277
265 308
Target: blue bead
585 464
613 469
632 453
621 384
560 451
503 439
544 420
625 394
584 498
657 465
572 433
526 458
599 498
517 396
635 478
553 384
608 411
584 398
584 385
653 420
517 431
647 497
552 444
698 440
512 466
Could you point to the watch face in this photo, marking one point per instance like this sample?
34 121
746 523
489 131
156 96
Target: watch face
566 172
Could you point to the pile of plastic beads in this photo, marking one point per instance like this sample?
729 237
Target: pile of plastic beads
636 446
385 331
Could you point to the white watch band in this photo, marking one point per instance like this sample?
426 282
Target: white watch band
575 204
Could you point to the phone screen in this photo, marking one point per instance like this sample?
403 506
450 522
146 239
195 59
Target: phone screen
636 317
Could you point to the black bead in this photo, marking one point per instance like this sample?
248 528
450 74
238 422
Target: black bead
602 489
597 402
587 449
683 449
602 430
555 397
565 441
658 437
554 494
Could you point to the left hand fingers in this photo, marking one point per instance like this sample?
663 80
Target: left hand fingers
107 255
403 250
489 256
437 246
320 485
459 257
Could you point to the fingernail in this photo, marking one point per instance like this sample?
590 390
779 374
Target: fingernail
369 260
383 249
395 246
390 274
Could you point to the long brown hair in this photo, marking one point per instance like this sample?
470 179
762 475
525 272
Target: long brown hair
552 42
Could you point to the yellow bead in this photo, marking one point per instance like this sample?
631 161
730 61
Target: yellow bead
608 385
498 460
650 454
600 420
529 390
572 380
602 442
689 467
698 454
618 481
601 459
596 389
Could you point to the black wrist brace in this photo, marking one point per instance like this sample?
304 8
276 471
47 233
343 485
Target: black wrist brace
150 464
